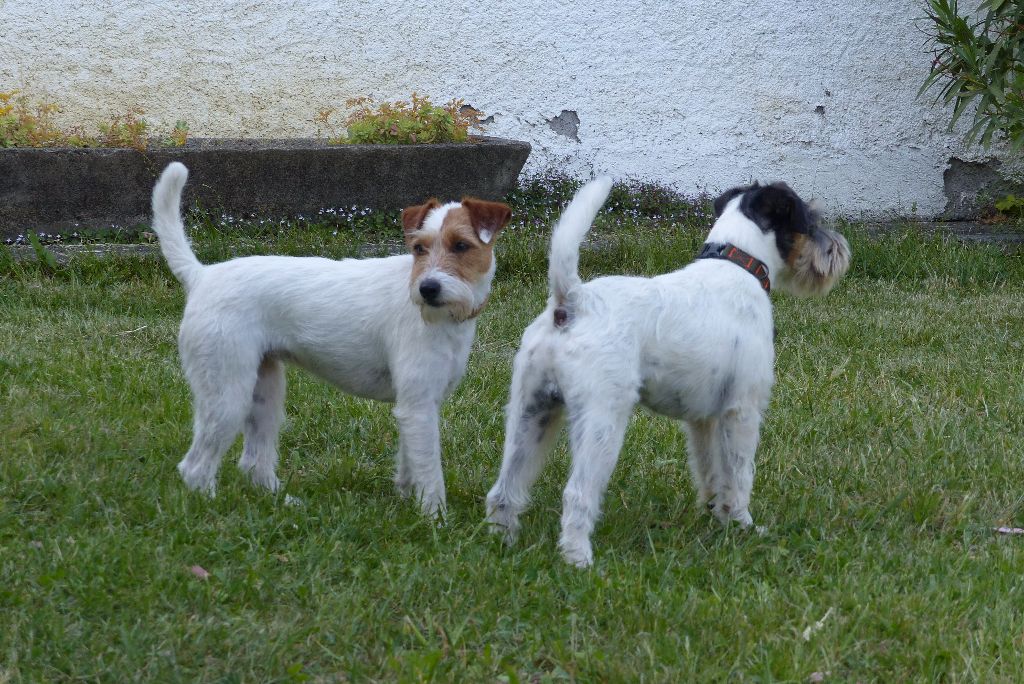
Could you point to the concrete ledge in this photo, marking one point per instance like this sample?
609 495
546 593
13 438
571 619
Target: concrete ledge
81 189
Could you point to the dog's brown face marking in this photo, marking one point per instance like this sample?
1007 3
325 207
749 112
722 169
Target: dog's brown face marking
816 262
463 246
799 245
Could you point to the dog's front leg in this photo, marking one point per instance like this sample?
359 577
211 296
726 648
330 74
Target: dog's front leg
403 478
420 451
736 439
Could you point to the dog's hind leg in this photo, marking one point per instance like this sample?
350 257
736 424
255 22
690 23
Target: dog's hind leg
533 420
216 424
262 425
700 436
735 443
597 428
222 385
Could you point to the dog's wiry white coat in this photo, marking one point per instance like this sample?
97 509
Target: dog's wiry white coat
357 323
695 344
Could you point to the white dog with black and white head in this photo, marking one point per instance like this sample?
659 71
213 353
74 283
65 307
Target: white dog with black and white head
397 329
695 344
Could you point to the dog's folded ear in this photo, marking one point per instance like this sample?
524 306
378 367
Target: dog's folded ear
413 217
487 218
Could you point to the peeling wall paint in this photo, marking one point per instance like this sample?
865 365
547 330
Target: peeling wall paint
567 123
696 94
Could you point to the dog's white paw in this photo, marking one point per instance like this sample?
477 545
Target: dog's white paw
744 519
198 482
502 520
576 552
403 484
509 532
578 559
290 500
509 536
435 509
726 514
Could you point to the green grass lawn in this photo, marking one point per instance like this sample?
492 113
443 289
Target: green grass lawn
891 448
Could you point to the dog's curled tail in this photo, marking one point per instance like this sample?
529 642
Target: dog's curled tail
169 227
563 263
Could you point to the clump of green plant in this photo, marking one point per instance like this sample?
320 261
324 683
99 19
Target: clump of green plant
1012 205
124 130
27 124
401 123
178 135
980 61
24 123
46 258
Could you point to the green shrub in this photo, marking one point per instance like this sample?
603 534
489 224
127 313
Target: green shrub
980 61
402 122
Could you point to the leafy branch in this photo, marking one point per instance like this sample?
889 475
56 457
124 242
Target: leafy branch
981 62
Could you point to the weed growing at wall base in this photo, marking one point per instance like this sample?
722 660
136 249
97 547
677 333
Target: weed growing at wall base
25 123
416 121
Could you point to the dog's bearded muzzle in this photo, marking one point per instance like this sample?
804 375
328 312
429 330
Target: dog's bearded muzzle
441 297
816 264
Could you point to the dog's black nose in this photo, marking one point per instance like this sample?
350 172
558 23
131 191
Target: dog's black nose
430 289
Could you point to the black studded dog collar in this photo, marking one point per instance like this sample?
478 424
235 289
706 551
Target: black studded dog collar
730 252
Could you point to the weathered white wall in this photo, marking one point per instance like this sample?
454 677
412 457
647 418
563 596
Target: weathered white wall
696 94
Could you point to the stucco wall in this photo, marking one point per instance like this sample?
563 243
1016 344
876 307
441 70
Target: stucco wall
696 94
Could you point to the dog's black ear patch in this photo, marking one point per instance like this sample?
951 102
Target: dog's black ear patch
776 208
723 200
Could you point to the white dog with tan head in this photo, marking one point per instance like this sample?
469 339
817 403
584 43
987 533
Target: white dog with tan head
696 345
397 329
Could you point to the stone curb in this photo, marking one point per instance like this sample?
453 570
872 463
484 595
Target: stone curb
63 190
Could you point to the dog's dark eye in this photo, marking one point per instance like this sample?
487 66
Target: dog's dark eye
419 250
460 246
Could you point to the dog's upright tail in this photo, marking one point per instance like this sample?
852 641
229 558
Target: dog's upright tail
169 227
563 262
